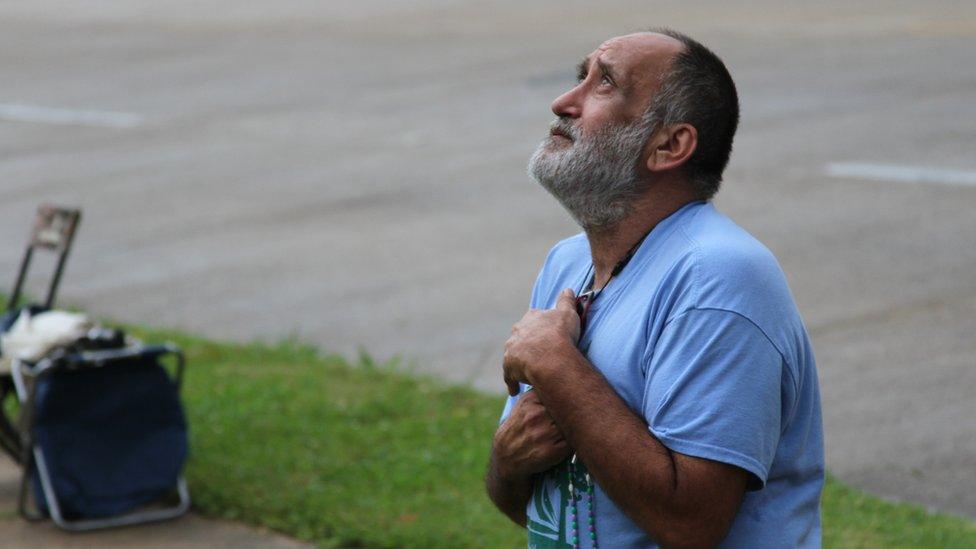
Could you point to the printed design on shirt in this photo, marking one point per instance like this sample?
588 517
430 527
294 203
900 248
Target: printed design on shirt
548 511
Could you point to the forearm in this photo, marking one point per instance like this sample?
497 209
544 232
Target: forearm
639 473
510 495
527 443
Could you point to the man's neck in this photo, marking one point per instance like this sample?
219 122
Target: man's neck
610 245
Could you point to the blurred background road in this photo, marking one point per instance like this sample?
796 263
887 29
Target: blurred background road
352 174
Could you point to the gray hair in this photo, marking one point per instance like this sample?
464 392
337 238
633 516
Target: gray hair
597 178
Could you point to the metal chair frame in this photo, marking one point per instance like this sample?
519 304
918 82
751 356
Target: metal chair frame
54 230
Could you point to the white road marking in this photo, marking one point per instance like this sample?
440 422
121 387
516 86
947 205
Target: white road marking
901 174
68 117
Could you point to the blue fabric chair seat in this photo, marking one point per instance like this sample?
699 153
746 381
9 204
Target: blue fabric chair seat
113 437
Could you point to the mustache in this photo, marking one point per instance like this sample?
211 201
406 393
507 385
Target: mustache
564 127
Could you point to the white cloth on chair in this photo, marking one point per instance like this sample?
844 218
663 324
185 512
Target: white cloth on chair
33 336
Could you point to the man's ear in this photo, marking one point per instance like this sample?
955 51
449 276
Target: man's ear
671 147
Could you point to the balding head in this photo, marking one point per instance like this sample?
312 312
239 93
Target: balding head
648 57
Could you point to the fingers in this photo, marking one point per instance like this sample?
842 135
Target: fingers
532 440
562 450
531 396
537 418
534 409
510 381
566 301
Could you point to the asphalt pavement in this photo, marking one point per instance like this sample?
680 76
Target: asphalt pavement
353 174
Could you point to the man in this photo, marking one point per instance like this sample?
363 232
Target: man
664 387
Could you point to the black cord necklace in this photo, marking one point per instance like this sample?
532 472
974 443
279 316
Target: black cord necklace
585 298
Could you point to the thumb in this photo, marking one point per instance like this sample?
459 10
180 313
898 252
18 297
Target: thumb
566 301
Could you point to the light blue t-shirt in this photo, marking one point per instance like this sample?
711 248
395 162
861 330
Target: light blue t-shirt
700 336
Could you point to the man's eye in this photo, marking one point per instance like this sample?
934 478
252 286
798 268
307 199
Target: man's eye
606 80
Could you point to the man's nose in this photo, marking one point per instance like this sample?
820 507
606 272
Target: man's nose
567 104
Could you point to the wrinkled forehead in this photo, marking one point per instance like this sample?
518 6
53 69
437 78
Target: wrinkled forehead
641 58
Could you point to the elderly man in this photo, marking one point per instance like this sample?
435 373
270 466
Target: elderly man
664 387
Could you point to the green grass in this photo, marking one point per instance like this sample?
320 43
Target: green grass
854 519
364 456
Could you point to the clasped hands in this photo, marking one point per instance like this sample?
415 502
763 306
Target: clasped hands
529 441
536 338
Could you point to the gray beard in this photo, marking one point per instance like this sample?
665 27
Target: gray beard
595 178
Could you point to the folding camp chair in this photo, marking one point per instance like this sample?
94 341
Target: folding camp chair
105 437
101 436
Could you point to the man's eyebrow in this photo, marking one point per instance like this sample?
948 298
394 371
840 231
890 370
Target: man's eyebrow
583 68
606 68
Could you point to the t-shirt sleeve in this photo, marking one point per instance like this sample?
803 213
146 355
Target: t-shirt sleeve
713 390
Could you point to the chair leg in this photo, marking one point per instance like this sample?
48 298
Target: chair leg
9 437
